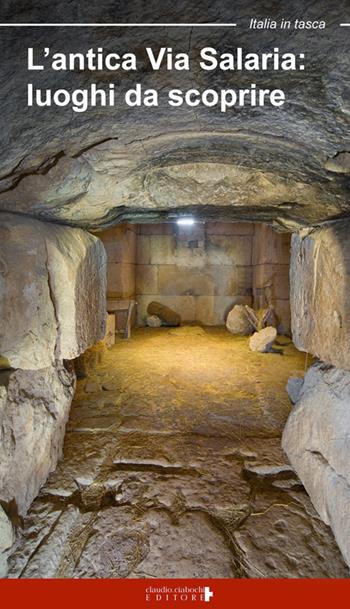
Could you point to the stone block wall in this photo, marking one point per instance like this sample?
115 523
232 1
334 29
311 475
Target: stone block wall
317 442
271 260
52 284
200 271
120 245
203 270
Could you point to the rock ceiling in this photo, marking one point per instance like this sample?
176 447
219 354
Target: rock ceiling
287 165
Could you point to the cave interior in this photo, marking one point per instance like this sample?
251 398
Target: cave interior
117 455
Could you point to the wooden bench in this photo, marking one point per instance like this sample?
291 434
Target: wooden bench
122 304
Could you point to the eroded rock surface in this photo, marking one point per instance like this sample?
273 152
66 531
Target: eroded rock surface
320 293
91 168
176 470
52 308
317 442
293 387
7 539
52 292
34 408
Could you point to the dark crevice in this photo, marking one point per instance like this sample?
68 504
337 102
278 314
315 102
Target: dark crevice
43 169
98 143
167 470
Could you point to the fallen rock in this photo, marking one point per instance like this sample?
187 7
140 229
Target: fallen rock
237 321
294 386
269 471
317 442
167 315
153 321
262 341
108 386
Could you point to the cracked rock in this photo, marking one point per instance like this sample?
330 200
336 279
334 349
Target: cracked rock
44 320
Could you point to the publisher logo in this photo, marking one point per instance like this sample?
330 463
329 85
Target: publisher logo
208 594
181 594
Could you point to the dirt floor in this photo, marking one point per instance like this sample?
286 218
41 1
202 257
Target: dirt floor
173 468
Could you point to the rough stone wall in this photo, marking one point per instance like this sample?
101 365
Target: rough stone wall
320 293
52 292
93 168
52 308
271 260
317 442
34 408
317 435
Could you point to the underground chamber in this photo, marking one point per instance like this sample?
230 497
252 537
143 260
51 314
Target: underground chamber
159 399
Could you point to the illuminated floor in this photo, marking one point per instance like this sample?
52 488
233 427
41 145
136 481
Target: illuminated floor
173 468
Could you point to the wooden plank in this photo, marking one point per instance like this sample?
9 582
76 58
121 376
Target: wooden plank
127 331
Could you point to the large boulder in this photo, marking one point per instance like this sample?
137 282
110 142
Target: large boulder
52 292
34 408
317 442
167 315
238 322
320 293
